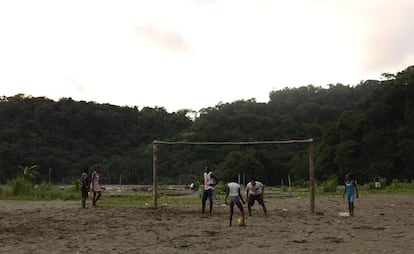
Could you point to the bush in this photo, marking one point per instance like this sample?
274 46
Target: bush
5 191
47 192
383 182
395 185
371 185
220 188
21 186
76 185
331 184
301 183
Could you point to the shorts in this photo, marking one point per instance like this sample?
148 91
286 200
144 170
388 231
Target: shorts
84 191
252 198
351 198
234 199
207 194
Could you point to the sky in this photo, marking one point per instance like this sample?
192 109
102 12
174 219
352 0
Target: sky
194 54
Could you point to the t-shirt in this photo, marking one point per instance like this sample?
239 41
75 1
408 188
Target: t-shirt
84 179
233 189
256 189
350 191
208 180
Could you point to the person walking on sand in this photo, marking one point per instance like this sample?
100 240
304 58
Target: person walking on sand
350 190
233 190
95 185
210 180
85 186
254 192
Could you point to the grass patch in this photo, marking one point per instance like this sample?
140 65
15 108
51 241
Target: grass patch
20 189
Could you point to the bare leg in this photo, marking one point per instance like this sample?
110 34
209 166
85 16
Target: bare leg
97 197
239 205
352 208
231 212
250 210
94 199
264 209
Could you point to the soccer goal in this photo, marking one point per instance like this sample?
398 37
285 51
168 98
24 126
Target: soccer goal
155 144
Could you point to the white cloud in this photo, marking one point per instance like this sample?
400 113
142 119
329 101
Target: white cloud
164 39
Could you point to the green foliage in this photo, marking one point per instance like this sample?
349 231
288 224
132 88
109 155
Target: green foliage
301 183
220 187
5 191
331 184
47 192
28 173
371 185
76 185
365 128
21 186
397 185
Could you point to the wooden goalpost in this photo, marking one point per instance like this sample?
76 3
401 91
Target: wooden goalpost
155 143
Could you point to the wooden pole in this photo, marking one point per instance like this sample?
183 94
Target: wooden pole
154 172
290 183
312 177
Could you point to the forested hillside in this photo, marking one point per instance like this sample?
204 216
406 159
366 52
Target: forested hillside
366 129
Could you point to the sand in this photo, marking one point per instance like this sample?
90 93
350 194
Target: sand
382 224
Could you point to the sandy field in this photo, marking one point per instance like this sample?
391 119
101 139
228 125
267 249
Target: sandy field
382 224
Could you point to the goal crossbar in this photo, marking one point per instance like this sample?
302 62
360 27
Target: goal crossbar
308 141
234 143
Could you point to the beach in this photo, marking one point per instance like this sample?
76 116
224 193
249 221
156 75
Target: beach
382 224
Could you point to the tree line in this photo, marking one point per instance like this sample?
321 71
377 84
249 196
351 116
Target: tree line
365 129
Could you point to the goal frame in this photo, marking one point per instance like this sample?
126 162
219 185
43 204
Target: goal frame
309 141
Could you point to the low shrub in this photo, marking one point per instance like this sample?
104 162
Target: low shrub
5 191
20 186
330 185
47 192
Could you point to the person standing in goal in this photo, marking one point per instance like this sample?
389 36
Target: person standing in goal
210 180
233 190
254 191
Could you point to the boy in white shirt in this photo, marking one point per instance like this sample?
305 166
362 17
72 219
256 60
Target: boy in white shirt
210 180
254 192
233 190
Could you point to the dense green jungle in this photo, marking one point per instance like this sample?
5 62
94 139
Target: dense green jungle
366 129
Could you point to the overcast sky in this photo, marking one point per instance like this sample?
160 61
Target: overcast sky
193 54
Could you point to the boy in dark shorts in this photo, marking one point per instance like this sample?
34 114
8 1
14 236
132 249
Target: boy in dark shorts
254 192
210 180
